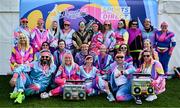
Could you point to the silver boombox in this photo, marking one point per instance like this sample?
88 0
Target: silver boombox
141 85
74 90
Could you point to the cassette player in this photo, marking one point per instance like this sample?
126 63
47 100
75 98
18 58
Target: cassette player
74 90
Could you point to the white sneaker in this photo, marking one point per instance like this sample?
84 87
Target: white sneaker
111 98
151 98
44 95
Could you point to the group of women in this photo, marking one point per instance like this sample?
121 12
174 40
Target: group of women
104 58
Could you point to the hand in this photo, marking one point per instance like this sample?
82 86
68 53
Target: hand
111 49
17 65
77 47
119 74
36 46
153 83
170 52
12 82
138 70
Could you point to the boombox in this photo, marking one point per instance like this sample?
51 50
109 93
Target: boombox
74 91
141 85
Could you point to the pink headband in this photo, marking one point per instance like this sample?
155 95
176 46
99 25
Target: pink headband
67 22
46 52
164 24
40 20
89 56
107 22
24 19
68 55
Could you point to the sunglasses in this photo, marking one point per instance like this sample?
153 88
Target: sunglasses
45 57
107 24
123 47
164 27
94 26
121 23
89 58
146 55
66 25
82 24
120 57
24 21
134 24
45 45
40 23
22 38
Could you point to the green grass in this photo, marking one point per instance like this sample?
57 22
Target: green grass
171 98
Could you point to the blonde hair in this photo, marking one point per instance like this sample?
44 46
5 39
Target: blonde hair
72 59
26 43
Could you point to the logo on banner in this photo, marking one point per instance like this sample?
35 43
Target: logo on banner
107 13
73 14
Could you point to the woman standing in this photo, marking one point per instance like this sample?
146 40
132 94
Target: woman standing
39 35
121 33
97 39
23 28
66 35
135 41
148 32
54 35
109 36
164 44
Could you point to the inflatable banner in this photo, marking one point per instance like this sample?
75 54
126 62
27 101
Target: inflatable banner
88 10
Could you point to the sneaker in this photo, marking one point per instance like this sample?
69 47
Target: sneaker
151 98
44 95
20 98
138 101
14 95
110 97
93 93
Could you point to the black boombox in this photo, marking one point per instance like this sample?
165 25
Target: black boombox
74 90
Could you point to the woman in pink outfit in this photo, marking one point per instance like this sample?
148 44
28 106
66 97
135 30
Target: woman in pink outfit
68 70
39 35
22 53
97 39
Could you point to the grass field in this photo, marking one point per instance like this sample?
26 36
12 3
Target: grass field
171 98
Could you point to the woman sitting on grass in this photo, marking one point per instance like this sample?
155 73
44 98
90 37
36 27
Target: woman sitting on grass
22 53
93 80
155 69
